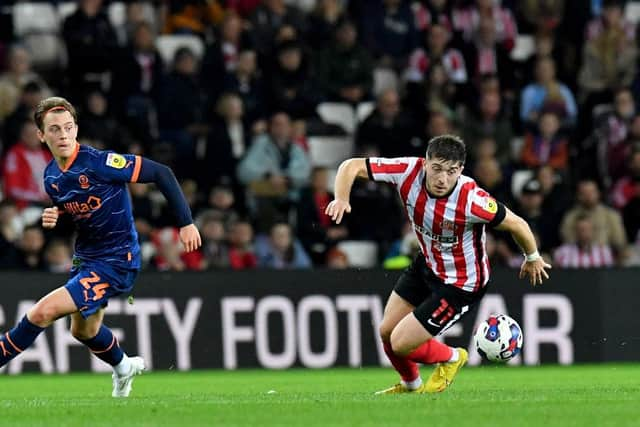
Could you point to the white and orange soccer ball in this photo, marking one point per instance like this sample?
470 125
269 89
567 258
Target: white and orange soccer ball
498 338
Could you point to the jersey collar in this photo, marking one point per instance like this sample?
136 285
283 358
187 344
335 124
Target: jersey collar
71 159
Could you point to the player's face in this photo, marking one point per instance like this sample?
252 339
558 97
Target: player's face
442 175
60 132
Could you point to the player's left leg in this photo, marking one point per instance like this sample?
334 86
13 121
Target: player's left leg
103 343
413 336
412 340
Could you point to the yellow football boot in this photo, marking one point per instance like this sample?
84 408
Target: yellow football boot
444 373
398 388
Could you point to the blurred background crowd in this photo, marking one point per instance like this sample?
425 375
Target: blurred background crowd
254 103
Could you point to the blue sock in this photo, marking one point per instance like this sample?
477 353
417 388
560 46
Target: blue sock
18 339
105 346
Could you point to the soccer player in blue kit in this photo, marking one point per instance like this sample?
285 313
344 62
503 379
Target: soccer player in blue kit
91 186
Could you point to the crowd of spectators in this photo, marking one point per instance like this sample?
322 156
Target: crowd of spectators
555 135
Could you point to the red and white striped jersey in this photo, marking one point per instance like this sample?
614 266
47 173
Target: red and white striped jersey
450 229
570 255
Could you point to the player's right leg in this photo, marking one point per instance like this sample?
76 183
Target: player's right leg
103 344
91 289
56 304
409 292
396 309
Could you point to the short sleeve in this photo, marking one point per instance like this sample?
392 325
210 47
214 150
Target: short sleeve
119 167
392 170
484 209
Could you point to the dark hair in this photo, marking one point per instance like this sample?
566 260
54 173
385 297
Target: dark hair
447 147
53 104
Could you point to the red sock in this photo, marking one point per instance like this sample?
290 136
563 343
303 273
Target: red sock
431 352
407 369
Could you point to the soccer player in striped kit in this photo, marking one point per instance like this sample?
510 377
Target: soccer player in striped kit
448 212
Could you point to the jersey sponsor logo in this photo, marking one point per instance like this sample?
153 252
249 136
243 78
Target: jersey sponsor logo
92 204
84 181
116 161
443 240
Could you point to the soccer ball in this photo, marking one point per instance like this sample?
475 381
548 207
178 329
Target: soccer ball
499 338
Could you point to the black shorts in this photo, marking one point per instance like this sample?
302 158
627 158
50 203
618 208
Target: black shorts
437 306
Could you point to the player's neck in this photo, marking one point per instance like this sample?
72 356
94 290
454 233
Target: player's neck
434 196
65 162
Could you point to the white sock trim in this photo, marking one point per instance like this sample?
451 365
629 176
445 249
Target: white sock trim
412 385
455 355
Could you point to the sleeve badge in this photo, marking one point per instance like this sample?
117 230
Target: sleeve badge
116 161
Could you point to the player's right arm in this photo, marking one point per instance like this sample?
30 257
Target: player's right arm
347 173
50 217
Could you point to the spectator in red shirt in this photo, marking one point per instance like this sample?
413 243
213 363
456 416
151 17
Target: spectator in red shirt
170 255
626 188
546 146
23 168
241 254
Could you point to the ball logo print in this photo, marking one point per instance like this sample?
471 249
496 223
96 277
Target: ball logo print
498 338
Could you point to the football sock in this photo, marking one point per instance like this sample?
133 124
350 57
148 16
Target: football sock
407 369
455 355
124 367
18 339
413 385
105 346
432 351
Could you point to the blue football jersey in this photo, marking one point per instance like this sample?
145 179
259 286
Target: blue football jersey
92 189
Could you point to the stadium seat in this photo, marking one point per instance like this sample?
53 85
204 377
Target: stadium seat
306 6
362 254
383 79
29 18
167 45
65 9
517 143
632 11
364 109
47 51
329 151
117 12
331 178
524 48
338 113
518 180
600 110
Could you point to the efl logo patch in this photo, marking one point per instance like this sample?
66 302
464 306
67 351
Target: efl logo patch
116 161
490 205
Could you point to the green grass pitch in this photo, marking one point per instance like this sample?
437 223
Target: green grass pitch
595 395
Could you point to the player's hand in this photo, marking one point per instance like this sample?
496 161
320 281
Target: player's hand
535 270
336 210
190 237
50 217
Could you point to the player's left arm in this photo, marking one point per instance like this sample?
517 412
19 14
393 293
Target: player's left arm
533 265
162 176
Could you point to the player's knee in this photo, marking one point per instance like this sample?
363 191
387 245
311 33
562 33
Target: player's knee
399 343
385 332
83 332
42 315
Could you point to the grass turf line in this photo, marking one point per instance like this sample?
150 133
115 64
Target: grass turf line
594 395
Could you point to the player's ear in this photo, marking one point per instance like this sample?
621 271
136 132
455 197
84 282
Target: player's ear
40 136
